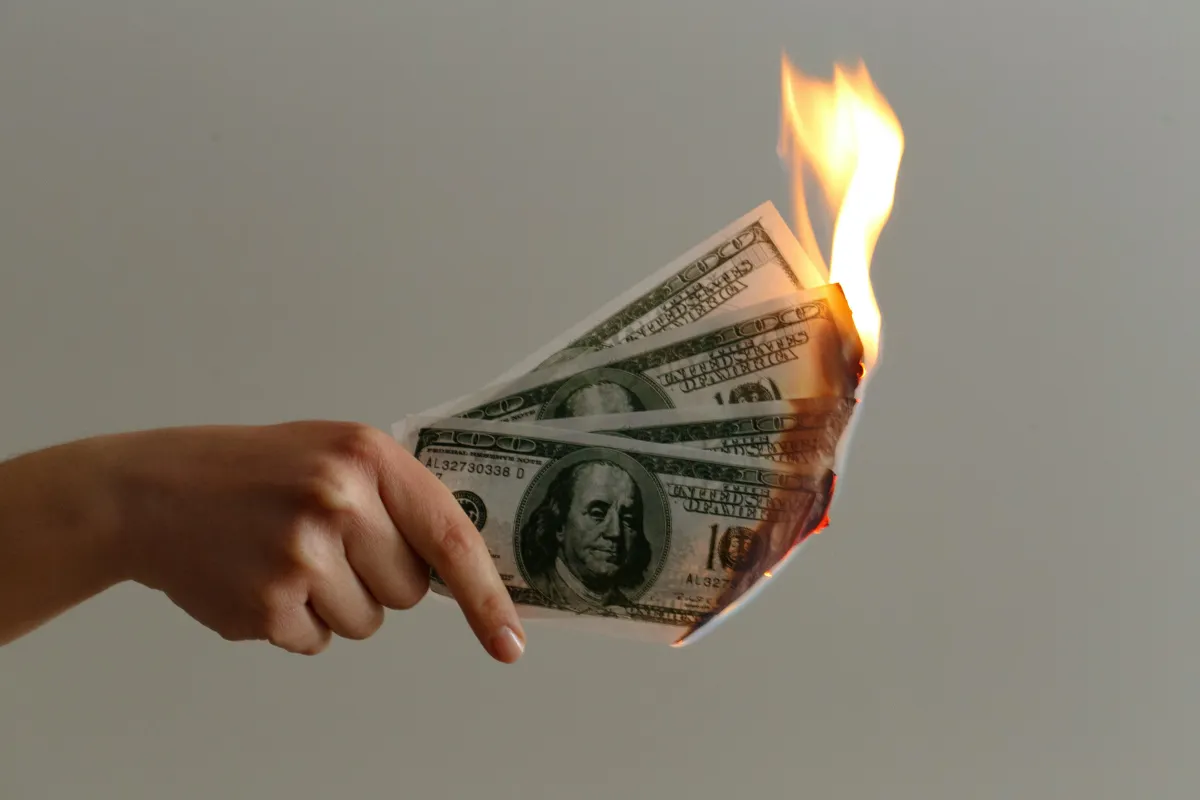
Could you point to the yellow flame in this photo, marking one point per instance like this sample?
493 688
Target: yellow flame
847 134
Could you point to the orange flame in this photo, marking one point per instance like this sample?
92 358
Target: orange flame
845 131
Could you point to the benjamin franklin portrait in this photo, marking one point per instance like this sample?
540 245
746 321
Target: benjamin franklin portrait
593 540
604 390
602 397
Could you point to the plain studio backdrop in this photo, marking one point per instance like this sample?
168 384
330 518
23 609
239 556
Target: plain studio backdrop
261 210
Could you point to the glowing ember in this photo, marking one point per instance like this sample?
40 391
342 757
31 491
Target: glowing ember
845 132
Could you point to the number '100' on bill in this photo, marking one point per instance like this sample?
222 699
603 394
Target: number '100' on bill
635 538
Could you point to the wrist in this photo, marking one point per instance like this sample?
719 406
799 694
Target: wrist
63 499
134 478
60 536
101 515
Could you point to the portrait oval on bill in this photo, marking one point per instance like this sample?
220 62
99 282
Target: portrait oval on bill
592 531
565 355
604 390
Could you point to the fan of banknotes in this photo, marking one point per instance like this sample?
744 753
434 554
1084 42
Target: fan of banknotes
649 470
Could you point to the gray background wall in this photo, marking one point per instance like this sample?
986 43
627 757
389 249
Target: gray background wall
262 210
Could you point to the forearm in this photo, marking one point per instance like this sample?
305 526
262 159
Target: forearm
59 535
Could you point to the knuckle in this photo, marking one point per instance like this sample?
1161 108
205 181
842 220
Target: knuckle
276 636
359 443
285 638
327 488
493 605
455 541
409 592
236 634
301 548
273 616
272 603
365 625
275 631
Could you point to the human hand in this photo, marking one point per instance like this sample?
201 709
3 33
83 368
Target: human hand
292 532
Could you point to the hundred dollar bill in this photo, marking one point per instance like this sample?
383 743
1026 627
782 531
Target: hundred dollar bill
802 431
647 539
753 258
800 345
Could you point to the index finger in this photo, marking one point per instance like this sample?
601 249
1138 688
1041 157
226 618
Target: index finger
434 524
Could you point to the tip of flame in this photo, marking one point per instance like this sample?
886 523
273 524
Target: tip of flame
844 132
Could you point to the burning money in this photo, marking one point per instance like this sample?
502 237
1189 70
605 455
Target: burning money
646 471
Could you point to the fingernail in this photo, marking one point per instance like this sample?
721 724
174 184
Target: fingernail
507 646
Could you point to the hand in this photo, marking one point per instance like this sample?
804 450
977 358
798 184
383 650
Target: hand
293 532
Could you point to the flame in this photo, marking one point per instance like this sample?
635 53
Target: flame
845 131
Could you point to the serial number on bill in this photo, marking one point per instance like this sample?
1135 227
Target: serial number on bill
708 581
439 466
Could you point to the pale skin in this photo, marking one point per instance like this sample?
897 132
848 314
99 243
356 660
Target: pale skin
288 533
